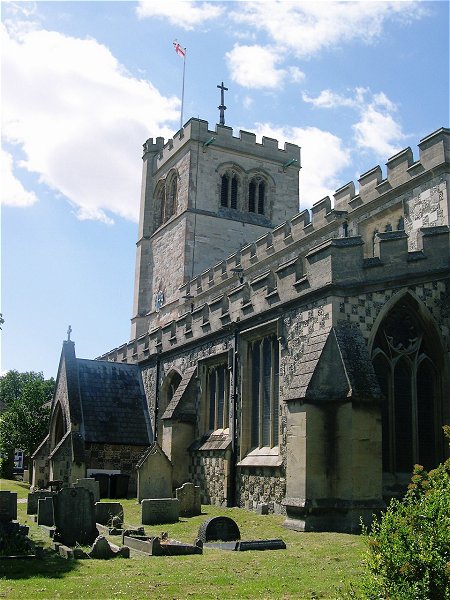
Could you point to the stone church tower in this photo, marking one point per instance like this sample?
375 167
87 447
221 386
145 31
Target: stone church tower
205 194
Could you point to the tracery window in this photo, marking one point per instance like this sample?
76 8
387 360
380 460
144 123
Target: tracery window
218 392
263 365
257 195
405 364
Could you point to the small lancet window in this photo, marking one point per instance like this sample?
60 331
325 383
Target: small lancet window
257 195
229 190
224 190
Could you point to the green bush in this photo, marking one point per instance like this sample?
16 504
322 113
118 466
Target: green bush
408 554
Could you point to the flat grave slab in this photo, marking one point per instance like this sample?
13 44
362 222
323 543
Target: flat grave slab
243 545
156 546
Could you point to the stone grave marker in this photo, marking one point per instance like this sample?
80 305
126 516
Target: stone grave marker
8 506
91 484
156 511
45 515
33 497
74 516
190 500
219 529
154 472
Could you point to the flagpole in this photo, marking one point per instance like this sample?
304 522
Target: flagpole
182 89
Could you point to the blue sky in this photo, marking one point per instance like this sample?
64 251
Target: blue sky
84 84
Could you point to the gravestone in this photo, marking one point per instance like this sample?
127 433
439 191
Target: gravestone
156 511
103 549
190 500
154 471
74 516
91 484
33 497
105 512
8 506
45 515
219 528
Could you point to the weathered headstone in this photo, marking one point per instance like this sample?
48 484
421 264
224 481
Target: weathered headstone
219 528
103 549
74 516
33 497
8 506
91 484
190 500
105 512
45 515
160 510
154 471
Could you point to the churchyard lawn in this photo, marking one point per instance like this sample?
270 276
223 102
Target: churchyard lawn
314 565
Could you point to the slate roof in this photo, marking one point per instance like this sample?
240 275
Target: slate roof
113 403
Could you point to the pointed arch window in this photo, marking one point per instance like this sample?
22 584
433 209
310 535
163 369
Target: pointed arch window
405 362
264 392
218 387
166 200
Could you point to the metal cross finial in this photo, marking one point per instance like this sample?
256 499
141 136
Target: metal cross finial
222 108
69 331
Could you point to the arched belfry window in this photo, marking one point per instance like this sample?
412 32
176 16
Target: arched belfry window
229 190
166 199
257 195
405 356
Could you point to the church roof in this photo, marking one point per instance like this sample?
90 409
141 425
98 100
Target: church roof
113 403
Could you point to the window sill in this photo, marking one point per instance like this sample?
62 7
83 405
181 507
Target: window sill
262 457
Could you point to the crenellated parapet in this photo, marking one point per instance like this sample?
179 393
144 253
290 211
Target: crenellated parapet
197 130
434 151
335 266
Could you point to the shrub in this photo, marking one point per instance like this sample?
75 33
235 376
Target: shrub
408 554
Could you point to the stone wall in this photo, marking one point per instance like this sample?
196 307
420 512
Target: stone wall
261 485
209 470
115 456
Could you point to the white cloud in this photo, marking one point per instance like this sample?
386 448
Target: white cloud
80 119
306 28
13 192
181 13
255 67
323 157
376 130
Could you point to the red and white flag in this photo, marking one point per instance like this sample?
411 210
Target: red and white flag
179 50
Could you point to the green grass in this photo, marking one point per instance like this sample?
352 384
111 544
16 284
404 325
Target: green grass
315 565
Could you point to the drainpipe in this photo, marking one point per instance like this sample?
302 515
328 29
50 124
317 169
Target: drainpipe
158 367
233 423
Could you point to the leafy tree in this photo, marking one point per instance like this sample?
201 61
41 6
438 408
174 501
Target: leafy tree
24 423
408 555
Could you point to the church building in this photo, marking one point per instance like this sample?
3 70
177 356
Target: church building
294 360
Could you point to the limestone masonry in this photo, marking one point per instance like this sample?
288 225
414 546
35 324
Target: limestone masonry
281 361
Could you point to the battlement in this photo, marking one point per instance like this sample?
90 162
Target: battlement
238 291
196 130
401 168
